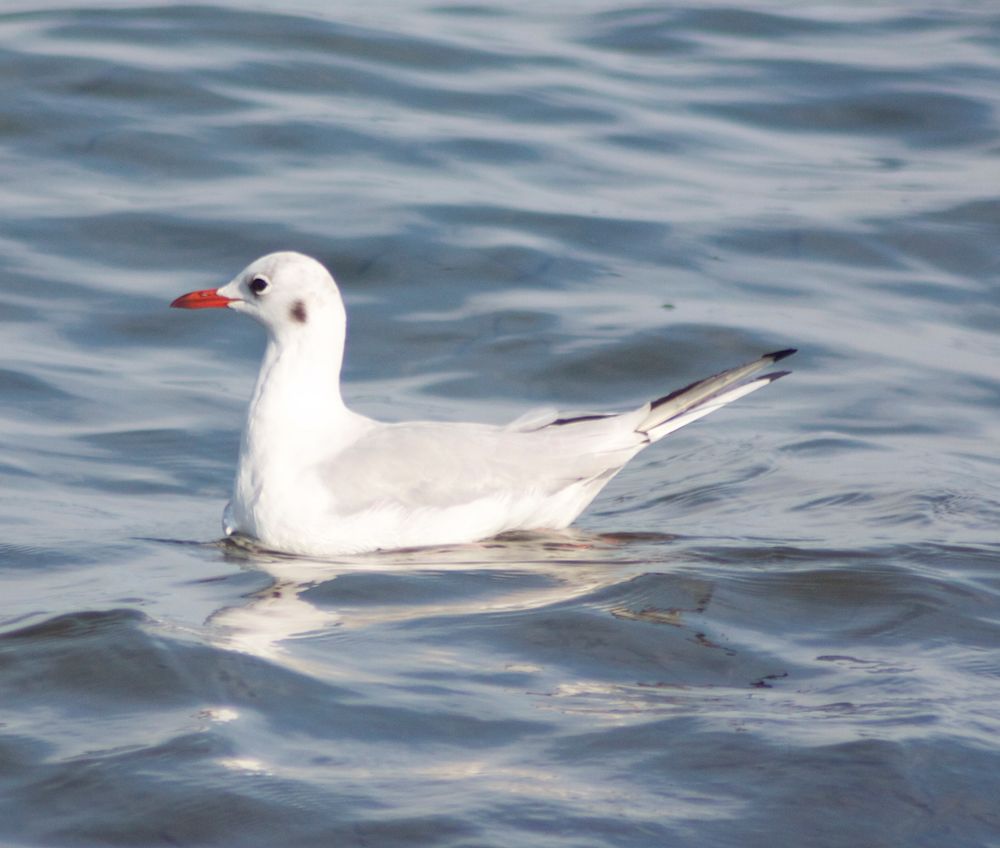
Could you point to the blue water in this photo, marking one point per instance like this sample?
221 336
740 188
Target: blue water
778 627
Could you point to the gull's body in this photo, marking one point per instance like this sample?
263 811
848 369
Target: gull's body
317 479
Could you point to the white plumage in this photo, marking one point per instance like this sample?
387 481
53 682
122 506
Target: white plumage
317 479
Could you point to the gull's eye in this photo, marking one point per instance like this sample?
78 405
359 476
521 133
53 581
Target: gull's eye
258 285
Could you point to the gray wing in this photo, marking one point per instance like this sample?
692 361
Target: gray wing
440 464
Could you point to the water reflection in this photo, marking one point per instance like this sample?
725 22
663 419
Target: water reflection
510 575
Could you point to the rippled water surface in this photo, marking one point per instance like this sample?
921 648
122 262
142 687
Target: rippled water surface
781 626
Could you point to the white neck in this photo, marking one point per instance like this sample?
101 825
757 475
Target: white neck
296 413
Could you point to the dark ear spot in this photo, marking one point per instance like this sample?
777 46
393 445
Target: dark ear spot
298 312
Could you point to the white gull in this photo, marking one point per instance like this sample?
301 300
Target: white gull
317 479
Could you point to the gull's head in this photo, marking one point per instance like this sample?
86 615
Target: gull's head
286 292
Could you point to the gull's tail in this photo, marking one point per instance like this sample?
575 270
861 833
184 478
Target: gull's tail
683 406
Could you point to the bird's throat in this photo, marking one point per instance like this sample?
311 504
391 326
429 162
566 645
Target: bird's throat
296 408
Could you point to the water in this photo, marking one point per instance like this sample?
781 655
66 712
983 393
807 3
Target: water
778 627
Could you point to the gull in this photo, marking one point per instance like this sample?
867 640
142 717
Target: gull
317 479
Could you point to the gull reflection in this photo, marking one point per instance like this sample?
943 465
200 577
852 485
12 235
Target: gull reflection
524 571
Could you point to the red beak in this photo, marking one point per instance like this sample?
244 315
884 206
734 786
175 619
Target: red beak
204 299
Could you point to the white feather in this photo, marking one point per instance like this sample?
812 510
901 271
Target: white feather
316 478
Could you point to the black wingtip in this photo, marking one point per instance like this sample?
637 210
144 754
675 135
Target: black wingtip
778 355
774 375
